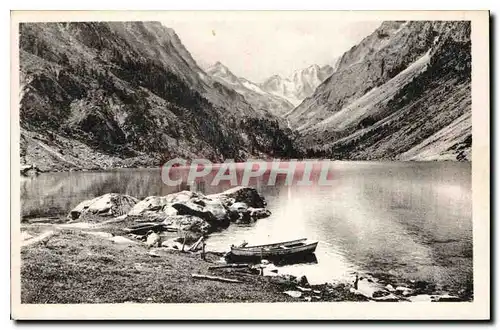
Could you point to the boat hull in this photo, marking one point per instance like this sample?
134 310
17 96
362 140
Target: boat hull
273 253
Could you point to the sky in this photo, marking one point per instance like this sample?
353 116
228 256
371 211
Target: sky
257 47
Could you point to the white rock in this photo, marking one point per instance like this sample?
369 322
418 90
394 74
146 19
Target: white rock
303 289
294 294
106 205
259 213
169 210
422 298
238 207
152 239
390 288
151 203
122 240
402 288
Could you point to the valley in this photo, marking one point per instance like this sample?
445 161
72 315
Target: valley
103 95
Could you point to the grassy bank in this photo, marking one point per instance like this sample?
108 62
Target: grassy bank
78 266
97 263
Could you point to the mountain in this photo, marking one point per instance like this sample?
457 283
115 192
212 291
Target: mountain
402 93
260 100
300 85
111 94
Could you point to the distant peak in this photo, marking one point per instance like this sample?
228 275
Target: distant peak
218 66
274 77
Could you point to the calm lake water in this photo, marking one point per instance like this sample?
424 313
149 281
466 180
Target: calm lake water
409 220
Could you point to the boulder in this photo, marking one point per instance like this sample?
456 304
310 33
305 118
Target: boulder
149 204
193 209
217 209
182 196
169 210
390 288
303 281
246 195
191 226
153 239
243 218
359 293
108 205
172 243
238 207
157 208
404 290
258 213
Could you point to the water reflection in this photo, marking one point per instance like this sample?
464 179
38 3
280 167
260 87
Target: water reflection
410 220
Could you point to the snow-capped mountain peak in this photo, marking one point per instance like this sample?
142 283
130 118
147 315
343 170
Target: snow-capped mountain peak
299 85
253 93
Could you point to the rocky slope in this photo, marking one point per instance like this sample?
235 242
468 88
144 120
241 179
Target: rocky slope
300 85
99 94
402 93
258 98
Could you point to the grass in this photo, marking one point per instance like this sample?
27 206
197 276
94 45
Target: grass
76 267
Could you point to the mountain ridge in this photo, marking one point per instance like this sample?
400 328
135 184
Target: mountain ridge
403 75
253 94
299 85
127 94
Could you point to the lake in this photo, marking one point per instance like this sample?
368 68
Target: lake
409 220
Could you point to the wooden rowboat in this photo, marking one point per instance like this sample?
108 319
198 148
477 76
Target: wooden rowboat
281 250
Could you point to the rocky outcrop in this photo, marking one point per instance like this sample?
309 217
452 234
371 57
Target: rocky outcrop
190 212
105 206
246 195
156 208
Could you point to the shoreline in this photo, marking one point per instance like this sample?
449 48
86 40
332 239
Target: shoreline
105 269
117 168
109 268
71 259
